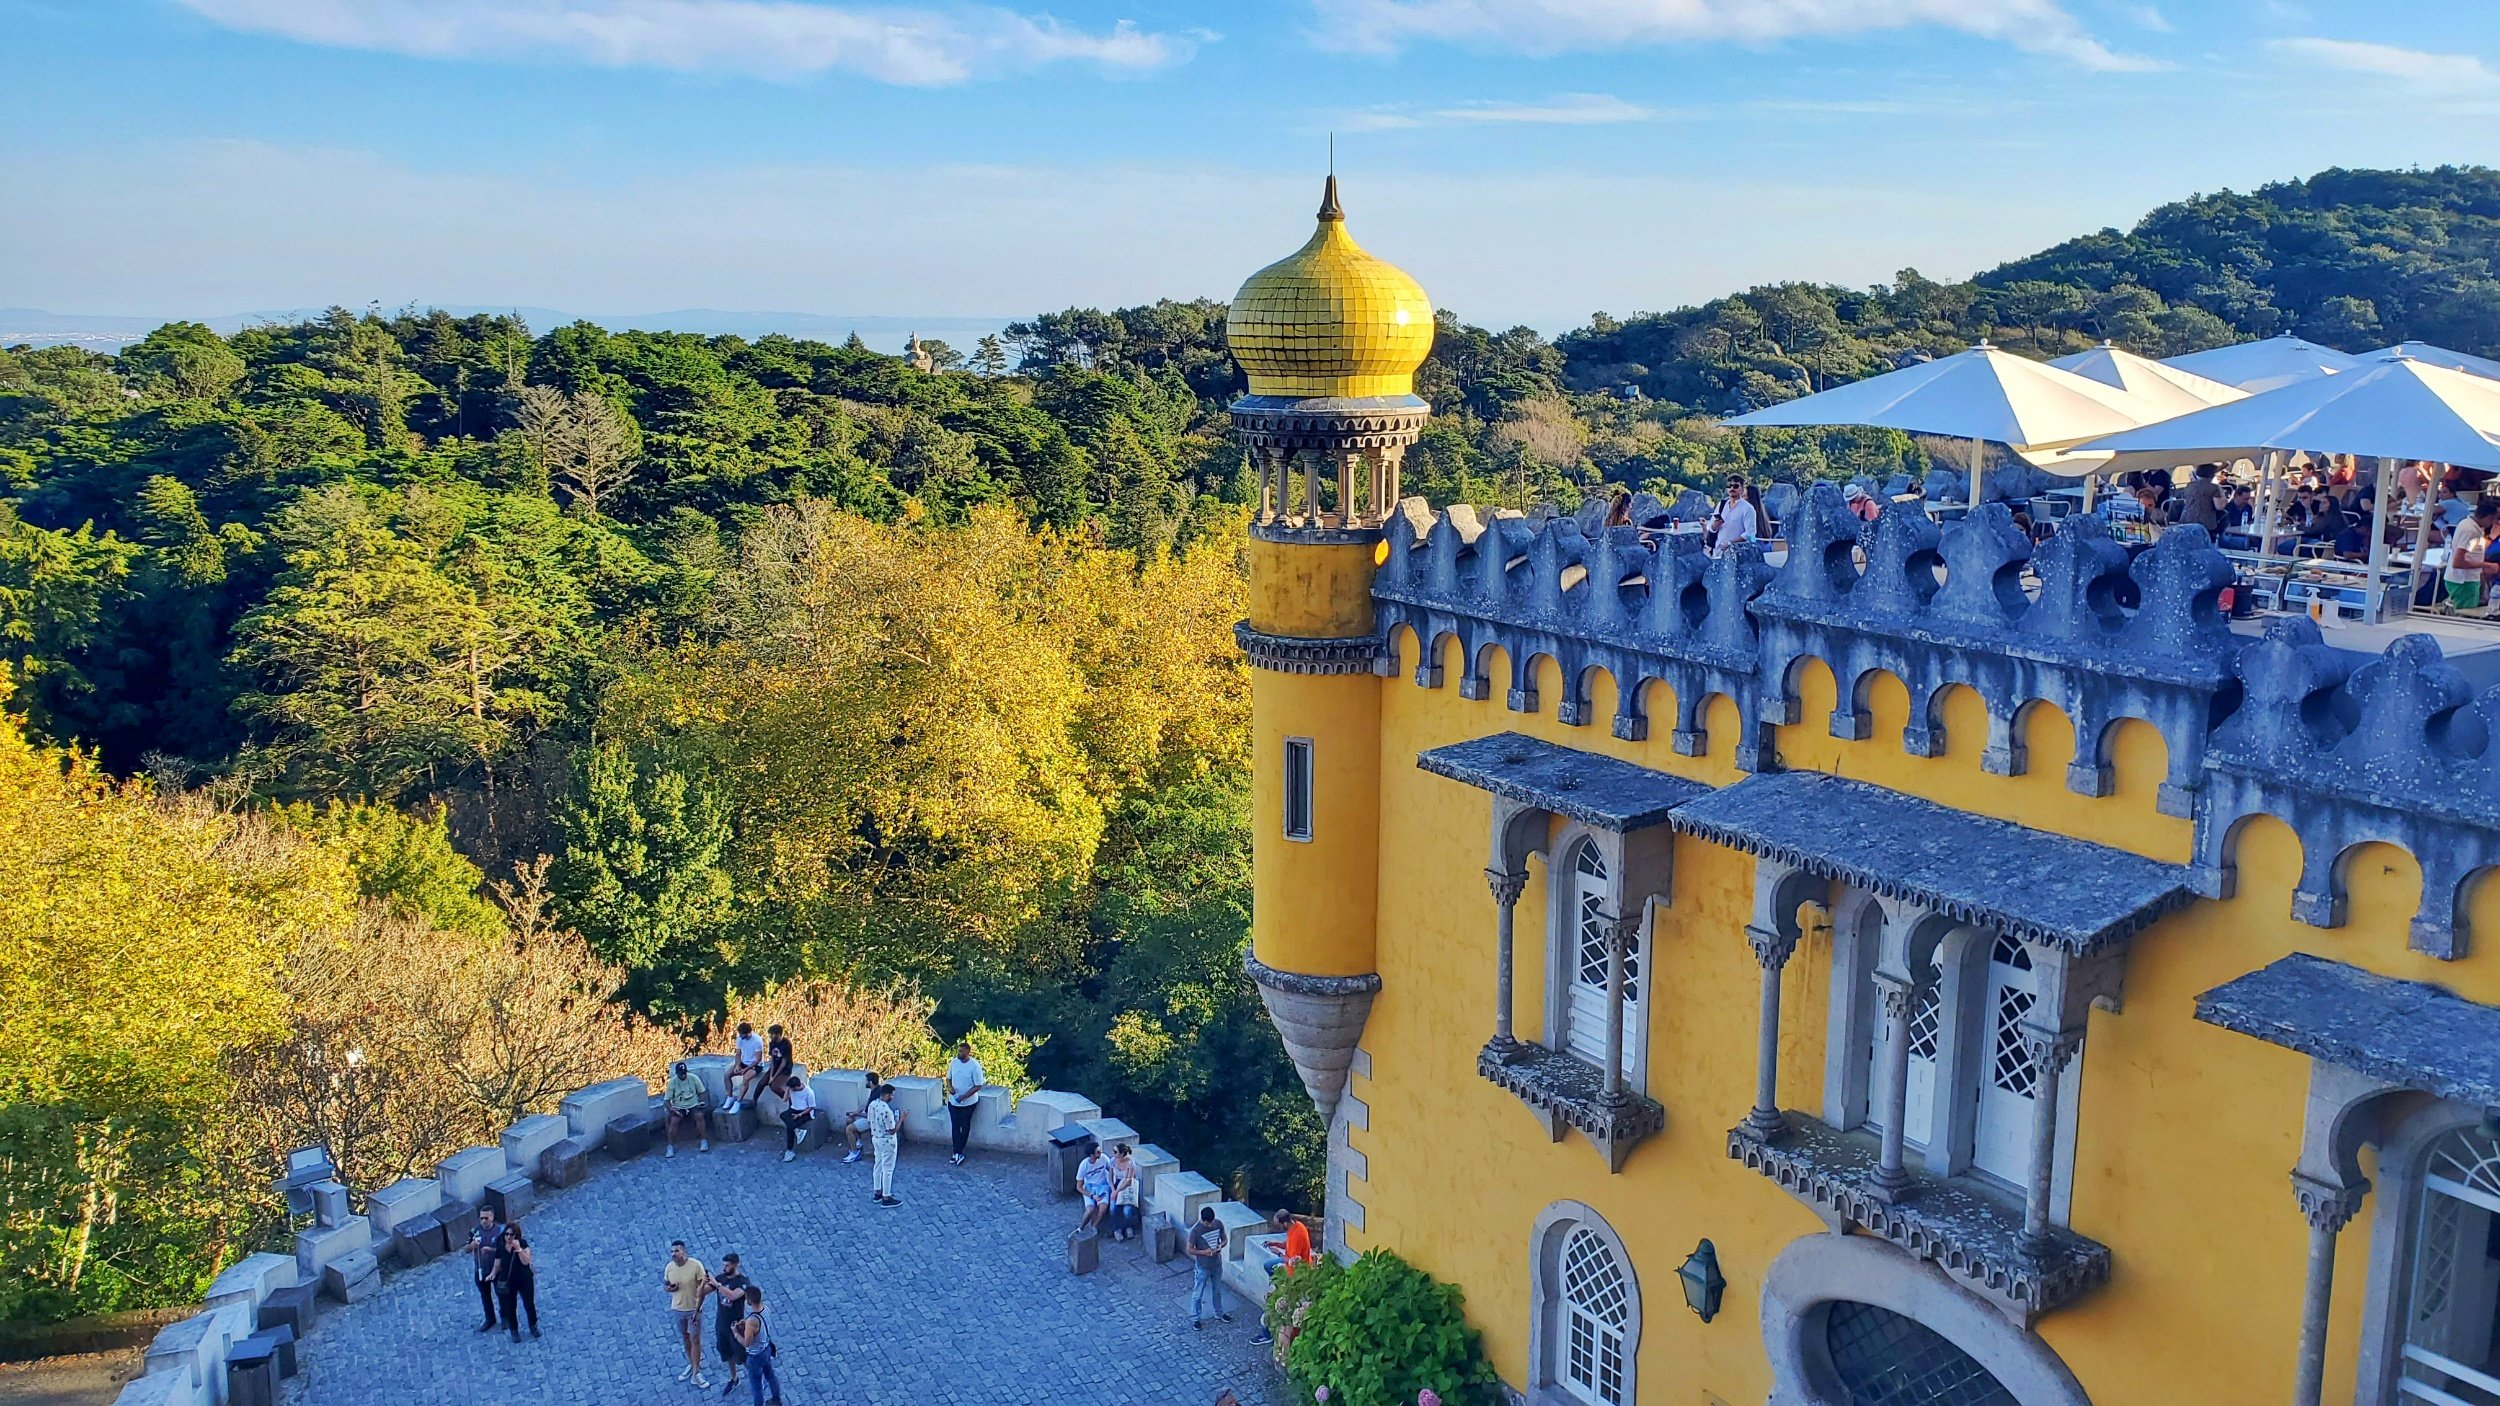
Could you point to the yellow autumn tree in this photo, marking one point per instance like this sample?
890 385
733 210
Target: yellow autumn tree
924 731
144 938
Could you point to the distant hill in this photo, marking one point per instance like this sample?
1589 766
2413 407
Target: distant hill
104 332
2352 259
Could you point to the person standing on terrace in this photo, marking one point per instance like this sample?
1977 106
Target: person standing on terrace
1735 521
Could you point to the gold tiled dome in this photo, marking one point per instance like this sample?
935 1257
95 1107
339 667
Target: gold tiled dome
1330 320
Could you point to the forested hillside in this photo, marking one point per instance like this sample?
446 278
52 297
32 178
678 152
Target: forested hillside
627 683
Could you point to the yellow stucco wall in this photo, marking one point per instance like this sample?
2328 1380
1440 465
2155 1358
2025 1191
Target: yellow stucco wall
1311 590
1313 899
2185 1133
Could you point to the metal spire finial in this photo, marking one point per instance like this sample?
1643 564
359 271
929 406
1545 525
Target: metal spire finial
1329 209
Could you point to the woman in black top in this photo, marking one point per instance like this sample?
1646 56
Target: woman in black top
516 1280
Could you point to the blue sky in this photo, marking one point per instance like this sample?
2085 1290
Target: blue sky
1529 160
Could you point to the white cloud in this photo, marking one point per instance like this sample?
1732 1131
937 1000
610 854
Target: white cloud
2147 17
766 38
1556 26
2454 73
1565 110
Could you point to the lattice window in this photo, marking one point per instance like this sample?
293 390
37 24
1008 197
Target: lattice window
2470 1157
2012 1067
2439 1257
1597 1307
1589 882
2009 952
1927 1021
1884 1359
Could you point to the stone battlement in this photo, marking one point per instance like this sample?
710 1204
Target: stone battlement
2394 750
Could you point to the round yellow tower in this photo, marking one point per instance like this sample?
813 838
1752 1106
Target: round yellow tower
1330 338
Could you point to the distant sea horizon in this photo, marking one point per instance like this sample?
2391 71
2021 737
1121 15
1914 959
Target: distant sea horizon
108 333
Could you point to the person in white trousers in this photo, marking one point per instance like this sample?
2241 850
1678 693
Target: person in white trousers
885 1139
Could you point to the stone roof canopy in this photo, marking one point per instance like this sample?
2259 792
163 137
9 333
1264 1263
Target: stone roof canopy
1600 791
2409 1033
1980 870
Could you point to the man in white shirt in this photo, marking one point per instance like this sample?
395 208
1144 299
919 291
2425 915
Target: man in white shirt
963 1095
885 1138
2469 544
798 1109
746 1069
1735 521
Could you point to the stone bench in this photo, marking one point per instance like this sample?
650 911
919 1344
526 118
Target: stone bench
169 1388
401 1202
566 1163
1180 1194
464 1175
630 1135
249 1280
587 1112
1152 1164
324 1245
292 1308
351 1278
512 1196
527 1141
1044 1112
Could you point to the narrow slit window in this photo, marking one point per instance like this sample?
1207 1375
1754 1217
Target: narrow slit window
1297 788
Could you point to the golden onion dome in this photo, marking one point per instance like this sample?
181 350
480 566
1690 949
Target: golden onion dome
1330 320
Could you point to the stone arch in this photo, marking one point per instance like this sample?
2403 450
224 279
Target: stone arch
1428 666
1818 1271
1548 1332
2323 898
1927 735
2221 876
1780 706
1404 638
2105 754
1637 704
1523 690
1858 920
2394 1229
1478 682
1578 707
1853 707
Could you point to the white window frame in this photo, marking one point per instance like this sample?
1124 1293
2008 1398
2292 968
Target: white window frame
2403 1176
1301 774
1562 946
1549 1322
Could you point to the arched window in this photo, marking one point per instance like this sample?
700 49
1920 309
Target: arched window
2452 1317
1597 1305
1879 1358
2001 1145
1584 1340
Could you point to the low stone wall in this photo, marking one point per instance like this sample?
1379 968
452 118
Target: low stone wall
341 1256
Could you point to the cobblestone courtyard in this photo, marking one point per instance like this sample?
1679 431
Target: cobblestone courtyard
959 1298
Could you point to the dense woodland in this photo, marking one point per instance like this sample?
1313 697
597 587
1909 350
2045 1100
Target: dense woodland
418 715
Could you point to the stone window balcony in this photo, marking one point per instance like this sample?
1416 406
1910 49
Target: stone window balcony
1564 1092
1965 1227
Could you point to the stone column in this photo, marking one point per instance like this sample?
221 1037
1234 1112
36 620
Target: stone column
1346 508
1271 474
1505 1047
1620 930
1310 487
2050 1051
2328 1209
1899 998
1772 949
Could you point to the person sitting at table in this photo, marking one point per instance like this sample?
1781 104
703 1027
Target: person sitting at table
2148 499
2353 542
2239 511
2324 521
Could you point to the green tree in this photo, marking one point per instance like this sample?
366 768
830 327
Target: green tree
644 877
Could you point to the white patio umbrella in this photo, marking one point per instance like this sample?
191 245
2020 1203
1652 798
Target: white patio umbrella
2396 408
2156 385
2257 367
2439 356
1979 395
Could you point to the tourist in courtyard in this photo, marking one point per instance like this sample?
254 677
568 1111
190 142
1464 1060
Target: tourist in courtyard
755 1333
1862 504
798 1110
1125 1193
2469 545
746 1070
686 1100
855 1123
885 1140
1093 1182
484 1238
729 1288
2200 502
963 1095
684 1277
1206 1262
778 1059
516 1280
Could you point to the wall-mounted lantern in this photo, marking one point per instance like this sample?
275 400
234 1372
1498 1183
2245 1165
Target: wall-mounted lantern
1704 1286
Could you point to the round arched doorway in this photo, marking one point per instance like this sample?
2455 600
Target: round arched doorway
1848 1320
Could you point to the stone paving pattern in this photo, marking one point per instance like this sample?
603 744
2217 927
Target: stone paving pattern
961 1297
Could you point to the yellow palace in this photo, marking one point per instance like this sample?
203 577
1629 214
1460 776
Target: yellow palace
1927 971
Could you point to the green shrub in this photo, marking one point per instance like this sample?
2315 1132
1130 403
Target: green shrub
1380 1331
1290 1297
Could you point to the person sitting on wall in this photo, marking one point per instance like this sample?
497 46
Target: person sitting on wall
855 1123
746 1070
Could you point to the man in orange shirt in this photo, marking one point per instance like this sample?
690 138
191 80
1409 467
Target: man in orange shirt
1297 1252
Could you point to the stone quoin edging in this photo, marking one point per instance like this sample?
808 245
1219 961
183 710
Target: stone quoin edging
341 1257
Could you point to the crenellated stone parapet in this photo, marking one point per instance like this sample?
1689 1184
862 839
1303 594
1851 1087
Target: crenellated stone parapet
2343 749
